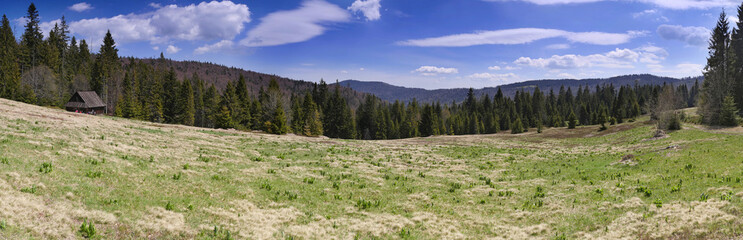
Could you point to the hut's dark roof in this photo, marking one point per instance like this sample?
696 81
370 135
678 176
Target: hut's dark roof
89 100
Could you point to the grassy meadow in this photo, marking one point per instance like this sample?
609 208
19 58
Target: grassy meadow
70 176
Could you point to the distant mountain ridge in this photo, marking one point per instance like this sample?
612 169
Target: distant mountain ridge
391 93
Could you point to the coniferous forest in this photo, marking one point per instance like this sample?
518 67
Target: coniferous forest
47 68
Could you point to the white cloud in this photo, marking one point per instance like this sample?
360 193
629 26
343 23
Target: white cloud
80 7
521 36
733 20
510 68
619 58
494 68
566 76
651 13
155 5
370 8
645 13
206 21
433 71
156 48
696 36
506 77
361 69
680 70
293 26
221 46
670 4
558 46
172 49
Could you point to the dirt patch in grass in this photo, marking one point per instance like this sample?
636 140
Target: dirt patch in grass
158 219
252 222
665 221
54 219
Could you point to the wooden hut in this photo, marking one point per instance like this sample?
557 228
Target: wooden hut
86 102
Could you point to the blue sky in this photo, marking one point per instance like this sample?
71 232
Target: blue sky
415 43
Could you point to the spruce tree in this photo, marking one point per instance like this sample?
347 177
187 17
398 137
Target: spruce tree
311 117
211 106
186 103
572 120
31 40
278 123
517 127
110 56
128 106
10 79
728 113
718 82
198 96
736 45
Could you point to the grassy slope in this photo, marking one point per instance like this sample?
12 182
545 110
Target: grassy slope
122 175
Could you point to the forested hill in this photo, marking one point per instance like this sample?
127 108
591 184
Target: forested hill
391 93
220 75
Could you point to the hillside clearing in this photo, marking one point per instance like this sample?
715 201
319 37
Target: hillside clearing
137 179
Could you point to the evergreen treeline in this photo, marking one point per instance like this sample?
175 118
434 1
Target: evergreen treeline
722 92
376 119
47 71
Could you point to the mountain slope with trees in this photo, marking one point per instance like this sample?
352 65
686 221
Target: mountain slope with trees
392 93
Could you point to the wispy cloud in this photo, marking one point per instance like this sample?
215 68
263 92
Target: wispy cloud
433 71
521 36
221 46
505 77
558 46
670 4
293 26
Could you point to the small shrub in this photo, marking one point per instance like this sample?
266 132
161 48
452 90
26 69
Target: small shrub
600 191
30 190
218 177
658 203
169 206
45 168
177 176
4 160
186 166
603 127
703 197
218 233
204 159
309 180
539 193
454 186
506 193
645 191
258 159
727 196
87 229
364 204
94 174
405 234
